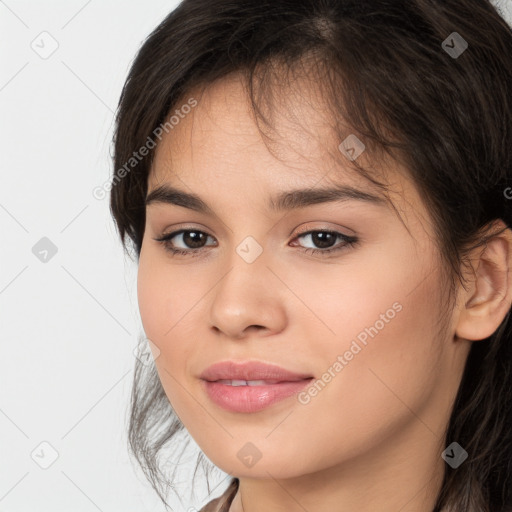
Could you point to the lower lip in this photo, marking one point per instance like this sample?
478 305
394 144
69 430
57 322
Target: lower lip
251 398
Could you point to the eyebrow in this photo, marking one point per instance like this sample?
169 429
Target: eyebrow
284 201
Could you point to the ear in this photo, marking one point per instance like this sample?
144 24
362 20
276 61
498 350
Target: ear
489 288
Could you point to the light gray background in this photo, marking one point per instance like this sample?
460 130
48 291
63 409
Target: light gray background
69 325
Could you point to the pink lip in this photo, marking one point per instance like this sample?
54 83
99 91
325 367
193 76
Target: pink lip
251 370
250 398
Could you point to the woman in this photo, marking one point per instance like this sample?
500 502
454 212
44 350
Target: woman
318 196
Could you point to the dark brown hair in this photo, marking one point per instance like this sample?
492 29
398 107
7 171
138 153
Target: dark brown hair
389 74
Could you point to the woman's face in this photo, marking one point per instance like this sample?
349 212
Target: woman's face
362 320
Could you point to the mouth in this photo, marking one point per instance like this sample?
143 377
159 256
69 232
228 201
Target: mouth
250 396
239 382
250 386
250 372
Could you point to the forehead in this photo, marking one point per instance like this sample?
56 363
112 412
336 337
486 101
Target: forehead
219 140
223 133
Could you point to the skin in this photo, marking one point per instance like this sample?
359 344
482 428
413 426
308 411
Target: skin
372 438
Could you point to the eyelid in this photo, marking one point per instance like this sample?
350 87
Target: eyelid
187 226
315 227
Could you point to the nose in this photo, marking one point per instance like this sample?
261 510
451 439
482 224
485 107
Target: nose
248 299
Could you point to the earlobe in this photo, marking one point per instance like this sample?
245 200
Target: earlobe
489 296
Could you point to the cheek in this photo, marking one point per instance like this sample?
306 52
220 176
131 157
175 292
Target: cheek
151 299
381 319
166 301
158 295
163 305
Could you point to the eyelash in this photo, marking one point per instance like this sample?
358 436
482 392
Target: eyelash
349 241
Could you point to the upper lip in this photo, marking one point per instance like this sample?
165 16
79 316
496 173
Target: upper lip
251 370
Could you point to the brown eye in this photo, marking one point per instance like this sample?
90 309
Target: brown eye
325 241
193 242
191 239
